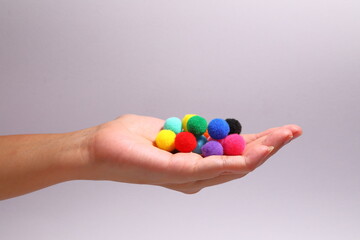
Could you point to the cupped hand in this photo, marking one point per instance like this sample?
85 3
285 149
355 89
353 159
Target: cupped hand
123 150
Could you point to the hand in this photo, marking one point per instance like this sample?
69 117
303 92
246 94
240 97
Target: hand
123 150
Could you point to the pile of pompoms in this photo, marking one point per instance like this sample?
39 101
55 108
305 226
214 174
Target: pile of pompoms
194 134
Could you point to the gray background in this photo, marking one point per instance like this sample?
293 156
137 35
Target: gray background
68 65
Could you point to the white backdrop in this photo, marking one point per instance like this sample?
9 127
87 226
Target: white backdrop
67 65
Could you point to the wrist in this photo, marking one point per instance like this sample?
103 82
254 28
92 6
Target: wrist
76 154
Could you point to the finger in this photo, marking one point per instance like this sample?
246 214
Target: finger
274 138
277 140
253 137
295 129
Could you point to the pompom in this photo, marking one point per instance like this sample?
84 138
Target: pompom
206 134
185 121
234 144
235 126
212 148
193 134
185 142
201 140
196 125
218 128
174 124
165 140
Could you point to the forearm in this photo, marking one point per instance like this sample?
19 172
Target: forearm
32 162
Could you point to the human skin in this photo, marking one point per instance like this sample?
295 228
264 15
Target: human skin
123 150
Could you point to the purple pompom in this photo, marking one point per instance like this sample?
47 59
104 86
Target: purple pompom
212 148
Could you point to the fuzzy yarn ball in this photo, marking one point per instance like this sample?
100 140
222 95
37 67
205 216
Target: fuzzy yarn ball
206 134
165 140
185 142
234 144
212 148
235 126
201 140
218 128
185 121
174 124
196 125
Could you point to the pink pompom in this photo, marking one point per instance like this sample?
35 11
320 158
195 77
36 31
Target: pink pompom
233 144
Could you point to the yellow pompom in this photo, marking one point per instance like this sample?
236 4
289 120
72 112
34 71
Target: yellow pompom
165 140
185 120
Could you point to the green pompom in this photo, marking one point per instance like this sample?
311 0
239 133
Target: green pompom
197 125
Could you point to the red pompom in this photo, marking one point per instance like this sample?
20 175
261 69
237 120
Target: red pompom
185 142
233 144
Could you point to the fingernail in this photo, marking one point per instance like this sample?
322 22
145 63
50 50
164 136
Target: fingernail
263 158
270 149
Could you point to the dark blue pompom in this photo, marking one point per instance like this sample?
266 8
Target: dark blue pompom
218 128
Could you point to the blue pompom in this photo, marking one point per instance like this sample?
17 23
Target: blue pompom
201 140
218 128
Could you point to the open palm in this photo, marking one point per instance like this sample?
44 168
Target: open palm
123 150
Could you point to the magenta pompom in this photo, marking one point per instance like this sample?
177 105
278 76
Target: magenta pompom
234 144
